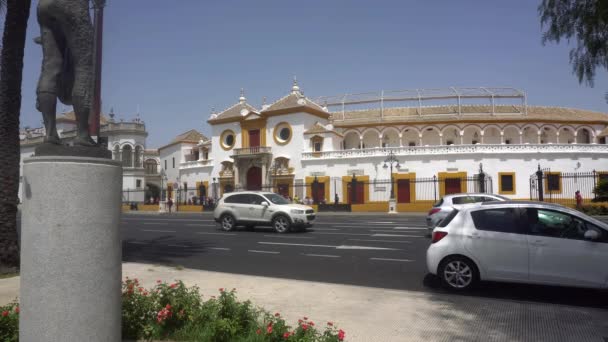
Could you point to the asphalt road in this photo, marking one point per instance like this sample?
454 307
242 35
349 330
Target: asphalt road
368 250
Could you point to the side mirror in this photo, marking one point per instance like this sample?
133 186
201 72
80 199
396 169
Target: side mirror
265 204
591 235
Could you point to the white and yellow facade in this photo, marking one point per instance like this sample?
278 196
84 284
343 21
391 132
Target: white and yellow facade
294 141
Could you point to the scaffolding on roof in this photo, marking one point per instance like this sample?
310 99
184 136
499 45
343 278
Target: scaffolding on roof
425 98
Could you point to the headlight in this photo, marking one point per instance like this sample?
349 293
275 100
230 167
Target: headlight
297 211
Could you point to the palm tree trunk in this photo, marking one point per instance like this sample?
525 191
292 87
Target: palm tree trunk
11 69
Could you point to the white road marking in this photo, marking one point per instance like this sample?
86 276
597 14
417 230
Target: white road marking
379 240
138 242
396 235
321 255
289 237
208 233
267 252
392 231
321 233
387 259
220 248
328 246
295 244
368 248
158 231
182 246
323 229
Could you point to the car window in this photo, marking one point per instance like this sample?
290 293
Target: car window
551 223
448 219
504 220
276 199
439 203
238 198
256 199
488 199
463 200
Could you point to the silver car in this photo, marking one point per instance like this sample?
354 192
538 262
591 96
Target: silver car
444 206
517 241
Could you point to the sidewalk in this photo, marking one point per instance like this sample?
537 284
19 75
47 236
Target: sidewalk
372 314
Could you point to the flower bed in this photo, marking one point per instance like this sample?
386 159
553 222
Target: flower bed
178 313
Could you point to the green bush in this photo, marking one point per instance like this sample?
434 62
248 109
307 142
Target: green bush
178 313
9 322
595 209
601 191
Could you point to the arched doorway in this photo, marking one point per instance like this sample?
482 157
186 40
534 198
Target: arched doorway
152 193
254 178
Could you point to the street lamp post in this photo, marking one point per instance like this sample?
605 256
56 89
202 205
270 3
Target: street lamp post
389 162
161 203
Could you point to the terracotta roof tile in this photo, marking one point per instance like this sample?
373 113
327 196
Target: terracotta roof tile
235 111
190 136
293 100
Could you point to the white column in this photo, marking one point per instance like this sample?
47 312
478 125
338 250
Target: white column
71 250
538 133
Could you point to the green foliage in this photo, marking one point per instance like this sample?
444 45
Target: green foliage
601 189
595 209
178 313
583 20
9 322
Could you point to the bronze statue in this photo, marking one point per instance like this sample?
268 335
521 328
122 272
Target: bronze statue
67 66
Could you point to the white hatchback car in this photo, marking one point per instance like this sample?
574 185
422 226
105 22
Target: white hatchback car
514 241
254 208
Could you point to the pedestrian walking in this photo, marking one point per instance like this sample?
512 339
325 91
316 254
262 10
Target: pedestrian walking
336 199
170 204
579 200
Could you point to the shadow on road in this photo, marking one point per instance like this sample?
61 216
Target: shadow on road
527 293
163 250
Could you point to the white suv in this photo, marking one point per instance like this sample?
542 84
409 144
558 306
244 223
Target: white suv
254 208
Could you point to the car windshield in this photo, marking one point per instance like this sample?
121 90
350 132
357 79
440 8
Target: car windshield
276 199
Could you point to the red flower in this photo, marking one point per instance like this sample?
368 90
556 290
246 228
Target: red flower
221 289
141 289
4 313
145 293
269 324
305 318
300 321
173 286
233 289
277 314
168 307
341 334
312 324
17 309
286 335
269 329
259 331
330 324
158 281
304 327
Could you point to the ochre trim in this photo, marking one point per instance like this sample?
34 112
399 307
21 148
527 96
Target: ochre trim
246 126
320 179
283 180
502 192
408 175
223 135
198 191
546 179
444 175
348 179
276 131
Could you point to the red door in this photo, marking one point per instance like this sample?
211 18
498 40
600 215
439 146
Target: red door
359 193
403 191
254 178
319 195
283 190
452 186
254 138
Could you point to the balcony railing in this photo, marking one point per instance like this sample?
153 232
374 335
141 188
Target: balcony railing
251 150
190 157
457 149
195 163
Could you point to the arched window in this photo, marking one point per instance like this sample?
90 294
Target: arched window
127 156
116 152
151 167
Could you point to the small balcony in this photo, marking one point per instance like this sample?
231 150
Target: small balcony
189 164
252 151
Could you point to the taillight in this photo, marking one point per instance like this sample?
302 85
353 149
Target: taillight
434 211
438 235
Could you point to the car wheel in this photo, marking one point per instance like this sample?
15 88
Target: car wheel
458 273
227 222
281 224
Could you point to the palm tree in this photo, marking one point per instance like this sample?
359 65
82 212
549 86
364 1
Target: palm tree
11 70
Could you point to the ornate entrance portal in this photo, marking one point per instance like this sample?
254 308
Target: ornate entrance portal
254 178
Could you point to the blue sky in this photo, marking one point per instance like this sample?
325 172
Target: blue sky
178 59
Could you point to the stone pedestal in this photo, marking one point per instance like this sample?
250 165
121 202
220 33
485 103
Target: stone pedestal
392 206
163 208
70 250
